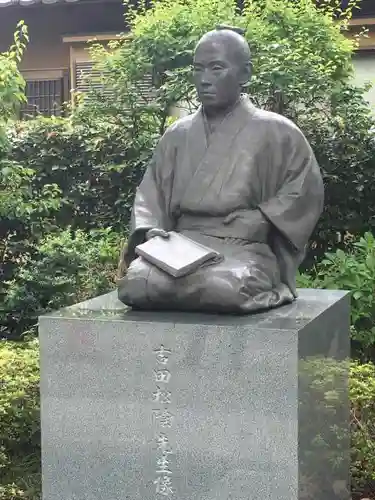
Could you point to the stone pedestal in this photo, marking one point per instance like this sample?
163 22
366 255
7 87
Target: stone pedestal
153 406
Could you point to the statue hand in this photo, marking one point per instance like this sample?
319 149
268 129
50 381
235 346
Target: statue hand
234 215
156 232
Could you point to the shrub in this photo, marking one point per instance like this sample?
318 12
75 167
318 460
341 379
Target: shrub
65 268
96 165
353 270
23 212
25 216
12 84
19 421
60 176
344 144
362 395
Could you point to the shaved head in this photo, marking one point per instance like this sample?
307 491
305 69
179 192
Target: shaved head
234 43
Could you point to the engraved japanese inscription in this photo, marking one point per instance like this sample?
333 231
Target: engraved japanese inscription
163 419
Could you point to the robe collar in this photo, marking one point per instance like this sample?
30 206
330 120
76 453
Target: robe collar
243 103
206 165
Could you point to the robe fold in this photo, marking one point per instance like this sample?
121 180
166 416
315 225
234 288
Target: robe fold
251 190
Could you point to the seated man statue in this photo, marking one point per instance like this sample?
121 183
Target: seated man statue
235 178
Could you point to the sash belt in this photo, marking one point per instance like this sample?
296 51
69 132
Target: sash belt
250 228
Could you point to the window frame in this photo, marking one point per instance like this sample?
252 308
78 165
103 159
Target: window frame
50 76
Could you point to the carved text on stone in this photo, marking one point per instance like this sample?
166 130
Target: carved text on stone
164 418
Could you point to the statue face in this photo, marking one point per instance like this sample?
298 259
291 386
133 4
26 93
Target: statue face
216 76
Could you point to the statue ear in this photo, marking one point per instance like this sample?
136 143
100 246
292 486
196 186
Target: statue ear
245 73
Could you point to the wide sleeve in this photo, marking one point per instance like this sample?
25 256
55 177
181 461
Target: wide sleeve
152 198
298 203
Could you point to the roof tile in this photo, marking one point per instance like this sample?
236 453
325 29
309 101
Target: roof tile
8 3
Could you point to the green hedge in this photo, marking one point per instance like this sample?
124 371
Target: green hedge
362 393
60 176
19 421
96 164
64 268
352 270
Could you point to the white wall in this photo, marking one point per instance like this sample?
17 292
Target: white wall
364 65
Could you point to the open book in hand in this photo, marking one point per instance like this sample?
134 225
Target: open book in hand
177 255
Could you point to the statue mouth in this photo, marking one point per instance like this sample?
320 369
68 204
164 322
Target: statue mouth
209 95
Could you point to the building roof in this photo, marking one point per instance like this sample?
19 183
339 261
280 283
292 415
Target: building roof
8 3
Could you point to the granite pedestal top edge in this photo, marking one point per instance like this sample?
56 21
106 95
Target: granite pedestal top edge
310 304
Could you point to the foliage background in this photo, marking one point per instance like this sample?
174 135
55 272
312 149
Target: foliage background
67 185
301 68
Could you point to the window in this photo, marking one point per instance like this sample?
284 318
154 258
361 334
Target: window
45 93
44 97
84 75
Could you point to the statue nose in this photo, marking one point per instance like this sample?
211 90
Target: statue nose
206 84
205 78
205 81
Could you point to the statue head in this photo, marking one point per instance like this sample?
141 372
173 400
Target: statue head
222 67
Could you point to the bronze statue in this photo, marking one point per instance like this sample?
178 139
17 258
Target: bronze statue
235 178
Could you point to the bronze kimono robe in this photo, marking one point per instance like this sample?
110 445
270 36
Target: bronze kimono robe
256 164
